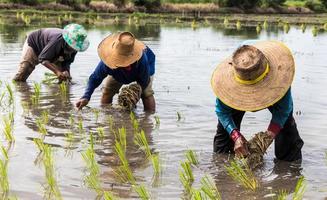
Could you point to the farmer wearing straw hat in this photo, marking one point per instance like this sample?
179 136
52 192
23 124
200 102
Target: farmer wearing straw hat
54 48
124 59
256 77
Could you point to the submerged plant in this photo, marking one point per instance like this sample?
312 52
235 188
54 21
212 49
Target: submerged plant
100 131
45 116
179 116
241 172
142 192
191 157
123 171
39 143
41 127
4 182
156 164
80 125
96 114
37 91
63 89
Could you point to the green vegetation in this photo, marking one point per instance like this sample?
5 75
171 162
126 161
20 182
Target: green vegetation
142 192
8 122
10 93
299 189
240 172
192 157
186 176
208 186
4 182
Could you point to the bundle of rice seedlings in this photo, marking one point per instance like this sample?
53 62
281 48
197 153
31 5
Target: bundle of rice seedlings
129 96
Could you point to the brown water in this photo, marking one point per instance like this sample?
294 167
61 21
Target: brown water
185 61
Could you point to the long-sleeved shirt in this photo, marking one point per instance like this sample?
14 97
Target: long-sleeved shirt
280 112
48 44
140 71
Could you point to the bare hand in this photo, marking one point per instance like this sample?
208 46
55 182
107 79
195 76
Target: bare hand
62 76
240 147
81 103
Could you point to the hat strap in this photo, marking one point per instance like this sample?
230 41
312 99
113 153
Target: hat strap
251 82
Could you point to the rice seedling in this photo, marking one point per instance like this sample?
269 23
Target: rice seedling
111 123
63 89
265 25
71 120
226 22
177 20
197 194
141 141
59 21
49 78
2 96
8 128
299 189
116 19
286 27
100 131
80 125
10 93
157 119
238 25
52 189
241 172
142 192
258 28
129 20
186 176
315 31
123 171
37 89
282 195
4 182
209 187
191 157
41 127
69 136
4 153
303 27
325 26
179 116
45 116
96 114
39 143
121 137
93 182
156 164
108 196
134 122
194 25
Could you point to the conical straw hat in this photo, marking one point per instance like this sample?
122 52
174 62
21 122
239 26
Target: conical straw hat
247 83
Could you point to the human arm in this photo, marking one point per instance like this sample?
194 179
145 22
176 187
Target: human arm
225 114
96 78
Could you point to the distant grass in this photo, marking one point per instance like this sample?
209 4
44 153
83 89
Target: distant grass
295 3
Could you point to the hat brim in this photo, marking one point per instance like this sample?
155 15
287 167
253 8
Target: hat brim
262 94
112 59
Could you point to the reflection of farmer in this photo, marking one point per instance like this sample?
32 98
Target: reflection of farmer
54 48
125 60
256 77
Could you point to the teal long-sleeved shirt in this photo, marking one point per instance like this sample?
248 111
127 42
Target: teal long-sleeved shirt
280 112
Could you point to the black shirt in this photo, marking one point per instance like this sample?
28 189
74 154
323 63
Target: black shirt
48 44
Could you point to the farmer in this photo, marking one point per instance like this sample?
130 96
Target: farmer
256 77
124 59
54 48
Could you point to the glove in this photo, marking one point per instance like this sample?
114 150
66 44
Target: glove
273 129
81 103
240 146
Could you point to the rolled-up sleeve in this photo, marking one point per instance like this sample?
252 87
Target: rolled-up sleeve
96 78
224 114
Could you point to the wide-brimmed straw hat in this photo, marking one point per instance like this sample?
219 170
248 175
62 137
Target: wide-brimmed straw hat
255 77
76 37
120 50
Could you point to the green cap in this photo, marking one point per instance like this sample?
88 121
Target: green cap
75 36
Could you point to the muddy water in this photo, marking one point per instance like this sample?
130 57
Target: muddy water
185 61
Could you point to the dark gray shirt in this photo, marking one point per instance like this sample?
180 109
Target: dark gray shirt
48 44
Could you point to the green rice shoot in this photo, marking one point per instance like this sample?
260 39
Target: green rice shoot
299 189
192 157
209 188
141 141
282 195
241 173
142 192
8 128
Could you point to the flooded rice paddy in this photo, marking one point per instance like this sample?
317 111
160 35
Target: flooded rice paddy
185 59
